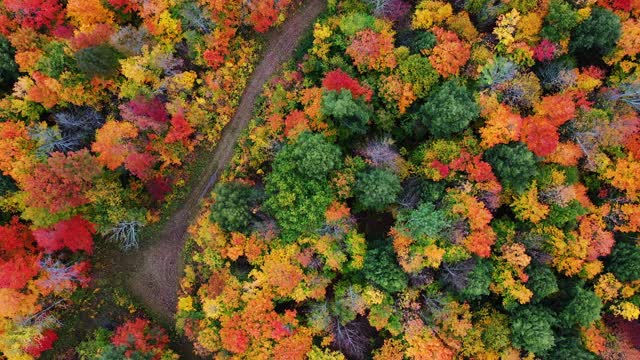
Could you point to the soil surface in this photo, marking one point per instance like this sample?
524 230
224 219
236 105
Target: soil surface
159 266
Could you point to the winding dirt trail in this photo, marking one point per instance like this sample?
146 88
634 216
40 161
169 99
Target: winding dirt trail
159 266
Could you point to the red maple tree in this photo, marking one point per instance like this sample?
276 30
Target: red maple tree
45 343
62 181
540 135
74 234
139 337
180 129
35 14
338 80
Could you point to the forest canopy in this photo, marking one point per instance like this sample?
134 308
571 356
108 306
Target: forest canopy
434 180
424 179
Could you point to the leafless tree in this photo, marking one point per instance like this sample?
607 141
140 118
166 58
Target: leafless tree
169 64
557 76
125 233
522 91
628 93
196 18
381 153
265 225
411 192
333 230
490 199
393 10
129 40
557 195
433 305
319 315
497 73
43 318
77 127
49 139
540 256
535 244
424 277
352 339
83 119
458 231
338 229
457 275
58 273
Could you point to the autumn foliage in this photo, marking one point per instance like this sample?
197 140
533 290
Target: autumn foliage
337 80
480 200
102 104
139 336
74 234
62 182
424 180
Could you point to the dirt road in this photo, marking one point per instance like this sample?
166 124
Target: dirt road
159 268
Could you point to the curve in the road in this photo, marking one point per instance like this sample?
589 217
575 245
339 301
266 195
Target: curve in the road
159 266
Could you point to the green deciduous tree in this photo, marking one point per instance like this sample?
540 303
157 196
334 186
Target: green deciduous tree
232 209
101 60
375 189
423 40
354 22
382 269
565 216
583 309
417 71
425 220
351 116
542 282
7 185
560 20
596 36
624 262
298 191
514 164
98 347
496 335
8 67
449 109
55 60
478 280
531 330
570 347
